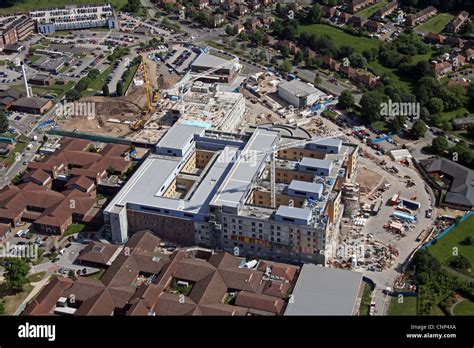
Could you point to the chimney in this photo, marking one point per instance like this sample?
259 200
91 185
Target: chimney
25 80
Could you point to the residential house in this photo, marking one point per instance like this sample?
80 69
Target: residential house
373 26
458 22
443 68
421 16
434 38
357 5
217 20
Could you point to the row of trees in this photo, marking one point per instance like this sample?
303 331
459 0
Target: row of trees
461 152
75 93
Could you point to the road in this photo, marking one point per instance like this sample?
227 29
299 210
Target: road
18 166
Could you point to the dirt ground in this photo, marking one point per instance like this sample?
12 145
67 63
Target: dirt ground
124 109
367 179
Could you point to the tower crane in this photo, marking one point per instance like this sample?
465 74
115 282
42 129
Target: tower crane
273 153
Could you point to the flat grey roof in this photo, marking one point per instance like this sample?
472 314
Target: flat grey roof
244 170
225 182
209 60
179 135
305 186
315 163
294 213
300 88
329 142
324 291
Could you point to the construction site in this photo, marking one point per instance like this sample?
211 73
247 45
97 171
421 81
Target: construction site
121 116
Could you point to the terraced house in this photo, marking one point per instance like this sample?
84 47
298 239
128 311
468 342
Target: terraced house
144 281
61 189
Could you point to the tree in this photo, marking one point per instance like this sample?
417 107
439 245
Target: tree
230 30
73 95
120 88
397 123
105 90
168 7
286 66
371 103
357 60
419 129
274 61
317 80
346 100
3 122
439 145
314 14
345 51
16 273
460 263
435 105
285 51
299 57
45 138
468 241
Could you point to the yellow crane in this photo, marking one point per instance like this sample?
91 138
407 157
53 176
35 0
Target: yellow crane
141 122
147 85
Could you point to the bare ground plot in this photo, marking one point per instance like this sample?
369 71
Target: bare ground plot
126 109
367 179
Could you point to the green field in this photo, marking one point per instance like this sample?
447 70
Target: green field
435 24
466 307
25 6
443 249
359 43
448 116
407 307
369 11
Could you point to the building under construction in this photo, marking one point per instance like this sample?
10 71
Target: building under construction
256 194
207 107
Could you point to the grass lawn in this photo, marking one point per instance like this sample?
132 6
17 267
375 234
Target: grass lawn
435 24
436 311
13 299
369 11
19 148
443 249
407 307
33 278
25 6
72 229
34 58
55 88
360 44
98 83
7 135
380 126
466 307
366 298
97 275
130 76
448 116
